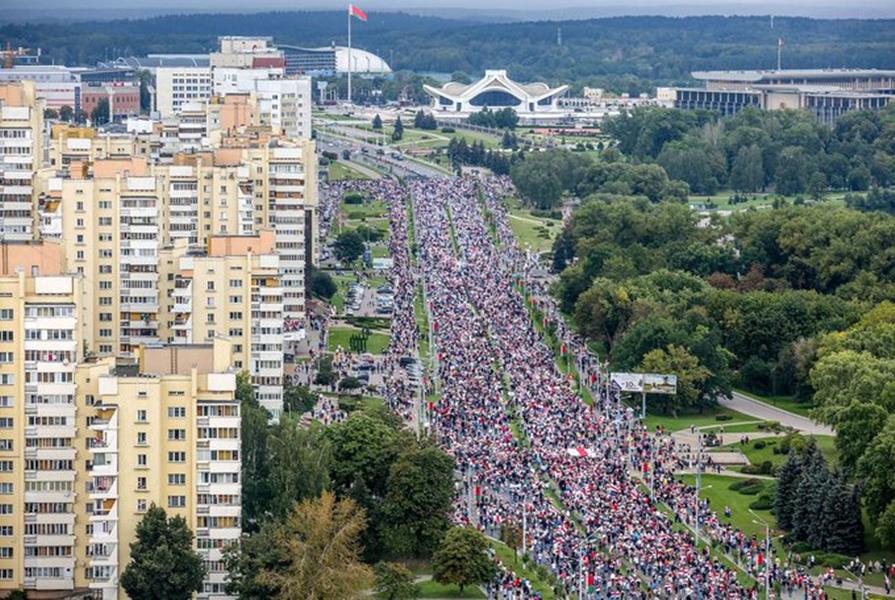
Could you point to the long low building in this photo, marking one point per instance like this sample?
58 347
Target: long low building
495 91
826 93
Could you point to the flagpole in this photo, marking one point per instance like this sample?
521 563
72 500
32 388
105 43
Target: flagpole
349 54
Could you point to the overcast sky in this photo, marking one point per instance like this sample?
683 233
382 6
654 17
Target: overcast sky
536 8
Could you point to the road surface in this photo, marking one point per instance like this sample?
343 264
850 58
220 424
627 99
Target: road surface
754 408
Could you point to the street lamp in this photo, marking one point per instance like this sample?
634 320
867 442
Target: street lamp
767 553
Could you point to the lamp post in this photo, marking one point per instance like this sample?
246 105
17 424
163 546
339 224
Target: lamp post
767 553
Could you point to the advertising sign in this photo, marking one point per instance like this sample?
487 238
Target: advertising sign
657 383
627 382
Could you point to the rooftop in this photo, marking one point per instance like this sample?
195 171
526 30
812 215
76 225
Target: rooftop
756 76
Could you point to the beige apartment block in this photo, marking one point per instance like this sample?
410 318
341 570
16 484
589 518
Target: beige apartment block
40 345
233 290
21 136
163 429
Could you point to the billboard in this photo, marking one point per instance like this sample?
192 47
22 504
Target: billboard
627 382
650 383
657 383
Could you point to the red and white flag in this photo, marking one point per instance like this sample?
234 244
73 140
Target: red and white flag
356 11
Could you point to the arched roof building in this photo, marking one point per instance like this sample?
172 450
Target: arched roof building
495 91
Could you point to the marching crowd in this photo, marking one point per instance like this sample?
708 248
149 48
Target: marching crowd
591 489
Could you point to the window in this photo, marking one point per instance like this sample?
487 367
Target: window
5 530
6 357
5 573
141 438
173 457
141 483
6 422
6 488
6 336
177 434
6 552
177 411
141 416
176 501
7 378
6 314
141 505
176 478
5 509
141 460
236 283
5 444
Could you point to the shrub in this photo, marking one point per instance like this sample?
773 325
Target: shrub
764 502
723 417
748 487
353 198
759 445
448 130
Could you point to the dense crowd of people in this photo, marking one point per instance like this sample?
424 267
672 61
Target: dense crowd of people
592 490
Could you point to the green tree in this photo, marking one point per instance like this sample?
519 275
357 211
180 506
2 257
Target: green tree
377 122
348 246
298 398
100 113
299 463
394 581
255 463
511 534
363 446
786 498
398 132
747 170
604 311
247 558
51 113
876 468
462 558
321 539
322 285
691 376
66 113
418 501
857 425
163 564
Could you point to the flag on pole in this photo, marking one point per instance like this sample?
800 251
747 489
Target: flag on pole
780 42
356 11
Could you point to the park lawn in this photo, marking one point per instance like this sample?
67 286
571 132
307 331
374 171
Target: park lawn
505 555
716 488
379 251
690 417
756 456
535 232
372 208
432 589
340 336
339 171
783 402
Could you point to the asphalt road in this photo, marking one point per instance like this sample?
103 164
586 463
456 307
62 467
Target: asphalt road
760 410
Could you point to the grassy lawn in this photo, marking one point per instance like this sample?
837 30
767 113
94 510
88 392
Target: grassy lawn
736 427
340 170
366 210
722 200
716 488
505 555
379 251
687 418
756 456
784 402
433 589
340 336
536 232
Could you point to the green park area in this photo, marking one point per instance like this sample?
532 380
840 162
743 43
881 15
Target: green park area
684 418
532 231
339 171
340 336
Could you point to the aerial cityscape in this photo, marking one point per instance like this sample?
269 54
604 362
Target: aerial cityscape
510 301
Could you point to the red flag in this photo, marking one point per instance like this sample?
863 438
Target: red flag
562 349
356 11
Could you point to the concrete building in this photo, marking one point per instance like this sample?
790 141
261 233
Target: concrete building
495 91
176 86
124 99
165 430
21 136
826 93
233 291
40 346
56 85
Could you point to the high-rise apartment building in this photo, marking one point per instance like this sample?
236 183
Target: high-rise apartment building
21 136
233 290
163 430
176 86
40 345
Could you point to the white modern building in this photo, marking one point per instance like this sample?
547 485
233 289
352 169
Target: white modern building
180 85
496 91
